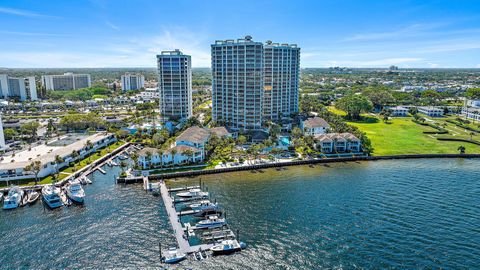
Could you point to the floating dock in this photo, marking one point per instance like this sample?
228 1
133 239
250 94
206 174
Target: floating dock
182 238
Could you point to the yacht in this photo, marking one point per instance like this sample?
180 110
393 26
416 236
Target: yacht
51 196
194 192
211 222
227 247
14 198
75 191
173 255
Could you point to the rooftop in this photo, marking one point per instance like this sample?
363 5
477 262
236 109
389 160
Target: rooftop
315 122
194 134
46 153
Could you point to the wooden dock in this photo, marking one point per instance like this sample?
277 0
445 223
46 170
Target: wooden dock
181 237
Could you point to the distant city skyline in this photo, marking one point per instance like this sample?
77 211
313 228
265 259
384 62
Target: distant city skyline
358 34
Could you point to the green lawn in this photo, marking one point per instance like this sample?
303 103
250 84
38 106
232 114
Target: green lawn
402 136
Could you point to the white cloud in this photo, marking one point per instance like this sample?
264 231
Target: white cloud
138 52
111 25
373 63
24 13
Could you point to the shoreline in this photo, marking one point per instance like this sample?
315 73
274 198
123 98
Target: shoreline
296 163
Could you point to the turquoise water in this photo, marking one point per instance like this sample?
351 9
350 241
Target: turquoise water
385 214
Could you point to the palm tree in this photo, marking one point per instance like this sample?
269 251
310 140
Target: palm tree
160 155
149 158
58 160
462 149
34 167
174 152
189 154
74 156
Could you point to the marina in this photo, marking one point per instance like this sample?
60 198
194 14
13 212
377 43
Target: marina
183 232
331 217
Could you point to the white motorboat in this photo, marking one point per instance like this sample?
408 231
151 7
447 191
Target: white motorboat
122 157
211 222
173 255
82 180
14 198
63 196
1 196
194 192
227 247
114 163
51 196
33 197
75 191
88 181
204 205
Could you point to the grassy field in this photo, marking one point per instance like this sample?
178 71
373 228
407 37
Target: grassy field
402 136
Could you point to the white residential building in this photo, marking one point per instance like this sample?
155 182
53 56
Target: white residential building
431 111
12 167
314 126
338 142
19 88
175 85
67 81
149 94
192 140
399 111
132 82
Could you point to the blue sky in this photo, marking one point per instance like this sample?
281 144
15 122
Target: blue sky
362 33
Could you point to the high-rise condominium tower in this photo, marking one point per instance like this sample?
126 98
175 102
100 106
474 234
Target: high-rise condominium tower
175 85
67 81
253 82
237 83
20 88
282 68
132 82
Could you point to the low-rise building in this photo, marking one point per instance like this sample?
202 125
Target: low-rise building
431 111
471 113
338 142
314 126
399 111
189 147
12 167
473 103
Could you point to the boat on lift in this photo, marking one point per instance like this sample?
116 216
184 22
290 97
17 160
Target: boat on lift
204 205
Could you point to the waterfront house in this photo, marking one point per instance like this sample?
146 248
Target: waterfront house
180 154
189 147
431 111
337 142
314 126
399 111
